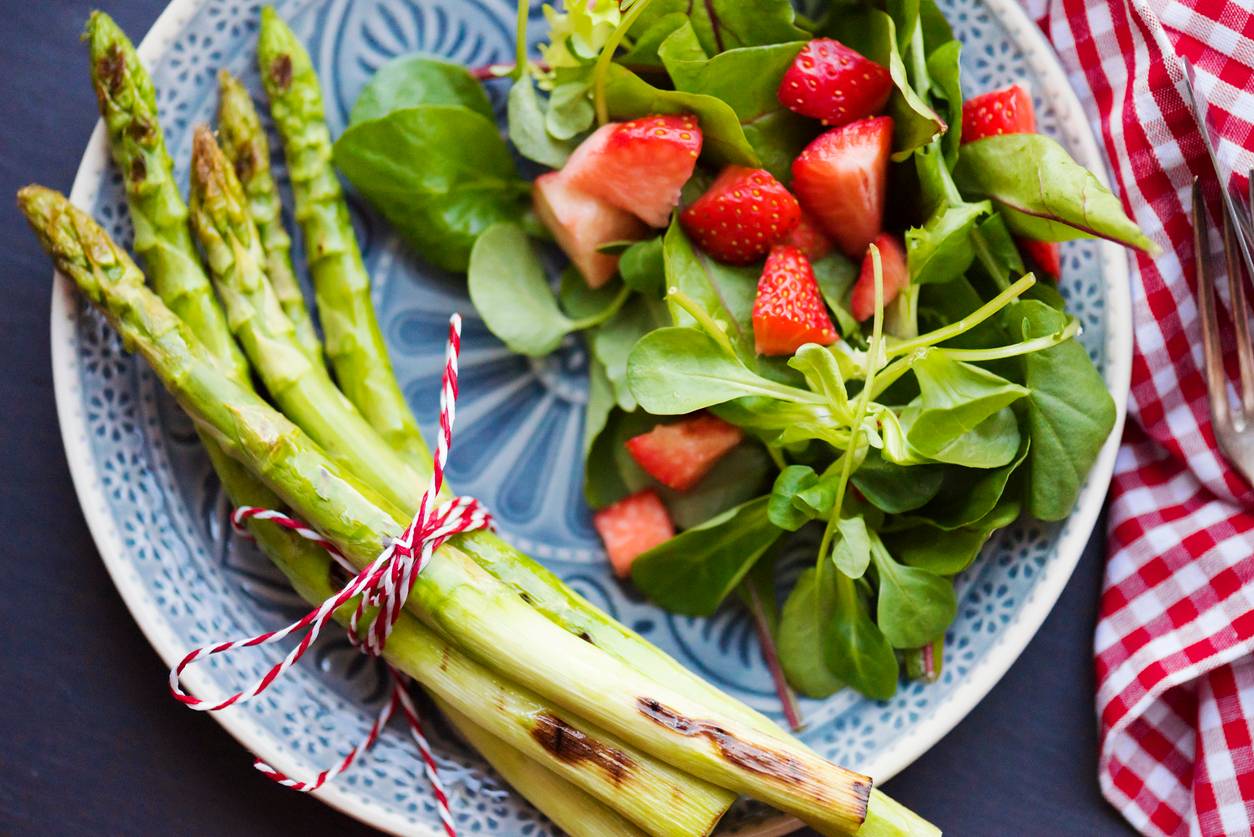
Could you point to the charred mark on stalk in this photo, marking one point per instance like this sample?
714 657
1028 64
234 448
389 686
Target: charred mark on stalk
139 169
281 72
526 597
245 162
586 637
751 757
140 129
111 68
574 746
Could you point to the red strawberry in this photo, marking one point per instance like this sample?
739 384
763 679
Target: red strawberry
678 455
840 179
831 82
1006 111
809 238
789 310
1046 256
893 272
741 215
581 223
639 166
632 526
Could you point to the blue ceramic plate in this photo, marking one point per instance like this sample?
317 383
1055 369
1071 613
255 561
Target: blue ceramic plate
160 521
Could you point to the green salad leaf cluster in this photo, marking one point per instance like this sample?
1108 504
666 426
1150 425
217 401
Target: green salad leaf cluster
896 453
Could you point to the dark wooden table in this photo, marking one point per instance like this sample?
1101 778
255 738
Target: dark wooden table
91 742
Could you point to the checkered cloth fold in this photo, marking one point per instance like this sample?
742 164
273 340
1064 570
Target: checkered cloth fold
1175 693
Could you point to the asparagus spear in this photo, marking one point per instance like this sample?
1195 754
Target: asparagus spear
244 141
573 811
301 387
666 799
454 596
354 343
128 106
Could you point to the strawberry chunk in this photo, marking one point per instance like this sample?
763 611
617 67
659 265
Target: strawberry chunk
809 238
841 178
789 310
639 166
831 82
581 223
893 271
1045 256
1005 111
678 455
631 527
741 215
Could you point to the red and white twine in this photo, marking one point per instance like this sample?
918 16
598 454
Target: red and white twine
384 584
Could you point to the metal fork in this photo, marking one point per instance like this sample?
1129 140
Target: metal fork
1234 428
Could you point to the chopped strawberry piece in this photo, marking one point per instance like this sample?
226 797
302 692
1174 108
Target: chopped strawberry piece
841 178
639 166
809 238
1006 111
631 527
581 223
831 82
678 455
1045 256
789 310
893 272
741 215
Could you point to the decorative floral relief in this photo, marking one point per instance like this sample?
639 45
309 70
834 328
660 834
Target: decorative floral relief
518 445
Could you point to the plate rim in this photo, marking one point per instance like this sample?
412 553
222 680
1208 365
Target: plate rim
1013 639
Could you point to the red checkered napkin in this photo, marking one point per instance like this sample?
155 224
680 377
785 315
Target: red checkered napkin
1175 693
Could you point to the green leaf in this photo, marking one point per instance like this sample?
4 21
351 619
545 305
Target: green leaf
612 342
1070 414
956 399
579 301
748 80
653 30
896 488
950 552
628 96
990 444
871 32
1001 256
730 24
677 370
781 510
725 293
836 274
914 606
807 613
852 552
970 494
440 174
822 374
414 80
570 110
602 482
769 418
643 268
740 475
944 68
855 649
941 250
527 114
1043 192
694 571
510 291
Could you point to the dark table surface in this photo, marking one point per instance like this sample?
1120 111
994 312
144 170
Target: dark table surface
92 743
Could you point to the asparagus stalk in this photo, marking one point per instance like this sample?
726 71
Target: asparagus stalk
244 141
659 797
454 596
572 810
301 387
128 106
354 343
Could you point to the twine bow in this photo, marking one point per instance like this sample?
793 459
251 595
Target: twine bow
384 584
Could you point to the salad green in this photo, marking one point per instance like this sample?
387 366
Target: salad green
964 402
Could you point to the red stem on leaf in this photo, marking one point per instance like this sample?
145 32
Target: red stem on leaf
788 700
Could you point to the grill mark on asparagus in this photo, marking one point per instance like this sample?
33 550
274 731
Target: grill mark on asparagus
112 69
571 745
281 72
764 762
139 169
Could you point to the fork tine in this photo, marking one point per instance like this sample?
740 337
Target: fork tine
1240 316
1216 381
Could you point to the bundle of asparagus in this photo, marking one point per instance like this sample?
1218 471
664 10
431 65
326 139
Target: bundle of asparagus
529 672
